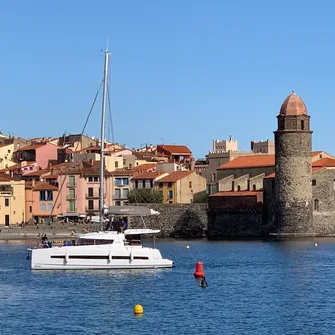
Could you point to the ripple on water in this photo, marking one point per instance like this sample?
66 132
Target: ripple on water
254 288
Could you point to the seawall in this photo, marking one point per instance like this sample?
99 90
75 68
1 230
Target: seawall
175 220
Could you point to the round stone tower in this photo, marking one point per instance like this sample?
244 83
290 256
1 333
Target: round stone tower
293 183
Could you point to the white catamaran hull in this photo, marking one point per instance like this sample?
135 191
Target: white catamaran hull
97 257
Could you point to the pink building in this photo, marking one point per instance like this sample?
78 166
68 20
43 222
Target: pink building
40 153
79 195
40 201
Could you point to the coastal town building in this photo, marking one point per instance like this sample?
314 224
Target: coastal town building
6 155
224 145
40 153
182 187
263 147
40 202
147 180
12 200
208 166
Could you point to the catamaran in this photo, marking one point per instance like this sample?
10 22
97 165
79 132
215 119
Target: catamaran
111 249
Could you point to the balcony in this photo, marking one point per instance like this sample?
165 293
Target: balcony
71 197
120 184
92 209
93 196
120 197
72 210
71 185
6 193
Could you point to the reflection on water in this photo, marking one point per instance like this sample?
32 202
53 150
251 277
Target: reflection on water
256 287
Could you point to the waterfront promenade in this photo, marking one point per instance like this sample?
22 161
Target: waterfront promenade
35 232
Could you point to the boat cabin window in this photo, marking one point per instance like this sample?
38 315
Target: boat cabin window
84 241
134 239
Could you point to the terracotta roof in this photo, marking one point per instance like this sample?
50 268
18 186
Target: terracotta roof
122 172
13 167
254 161
316 153
236 193
143 167
175 149
51 176
147 175
330 162
5 177
175 176
44 186
293 105
249 162
32 147
314 169
37 173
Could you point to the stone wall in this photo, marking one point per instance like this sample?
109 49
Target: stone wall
324 202
235 224
175 220
293 196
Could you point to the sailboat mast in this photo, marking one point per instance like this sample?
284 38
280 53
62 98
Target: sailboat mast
102 141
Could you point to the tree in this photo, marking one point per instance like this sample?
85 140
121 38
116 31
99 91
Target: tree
145 195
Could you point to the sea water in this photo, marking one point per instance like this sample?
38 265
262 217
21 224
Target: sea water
285 287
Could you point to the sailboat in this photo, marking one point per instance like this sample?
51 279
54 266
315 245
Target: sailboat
105 249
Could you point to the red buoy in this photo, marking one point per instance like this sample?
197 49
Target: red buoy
199 270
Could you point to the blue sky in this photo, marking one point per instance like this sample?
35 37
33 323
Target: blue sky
184 71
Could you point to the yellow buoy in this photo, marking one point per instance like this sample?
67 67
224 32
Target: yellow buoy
187 247
138 309
315 244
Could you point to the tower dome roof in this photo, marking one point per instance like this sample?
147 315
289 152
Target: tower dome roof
293 105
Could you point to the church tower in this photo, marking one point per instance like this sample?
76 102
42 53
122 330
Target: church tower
293 183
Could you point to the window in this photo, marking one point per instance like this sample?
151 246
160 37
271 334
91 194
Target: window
125 192
49 207
160 185
42 208
90 191
72 206
116 164
136 183
316 205
151 183
90 204
46 196
8 151
50 196
169 184
42 196
121 181
170 194
214 177
7 202
302 125
71 181
238 188
314 182
30 209
254 187
117 193
190 184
